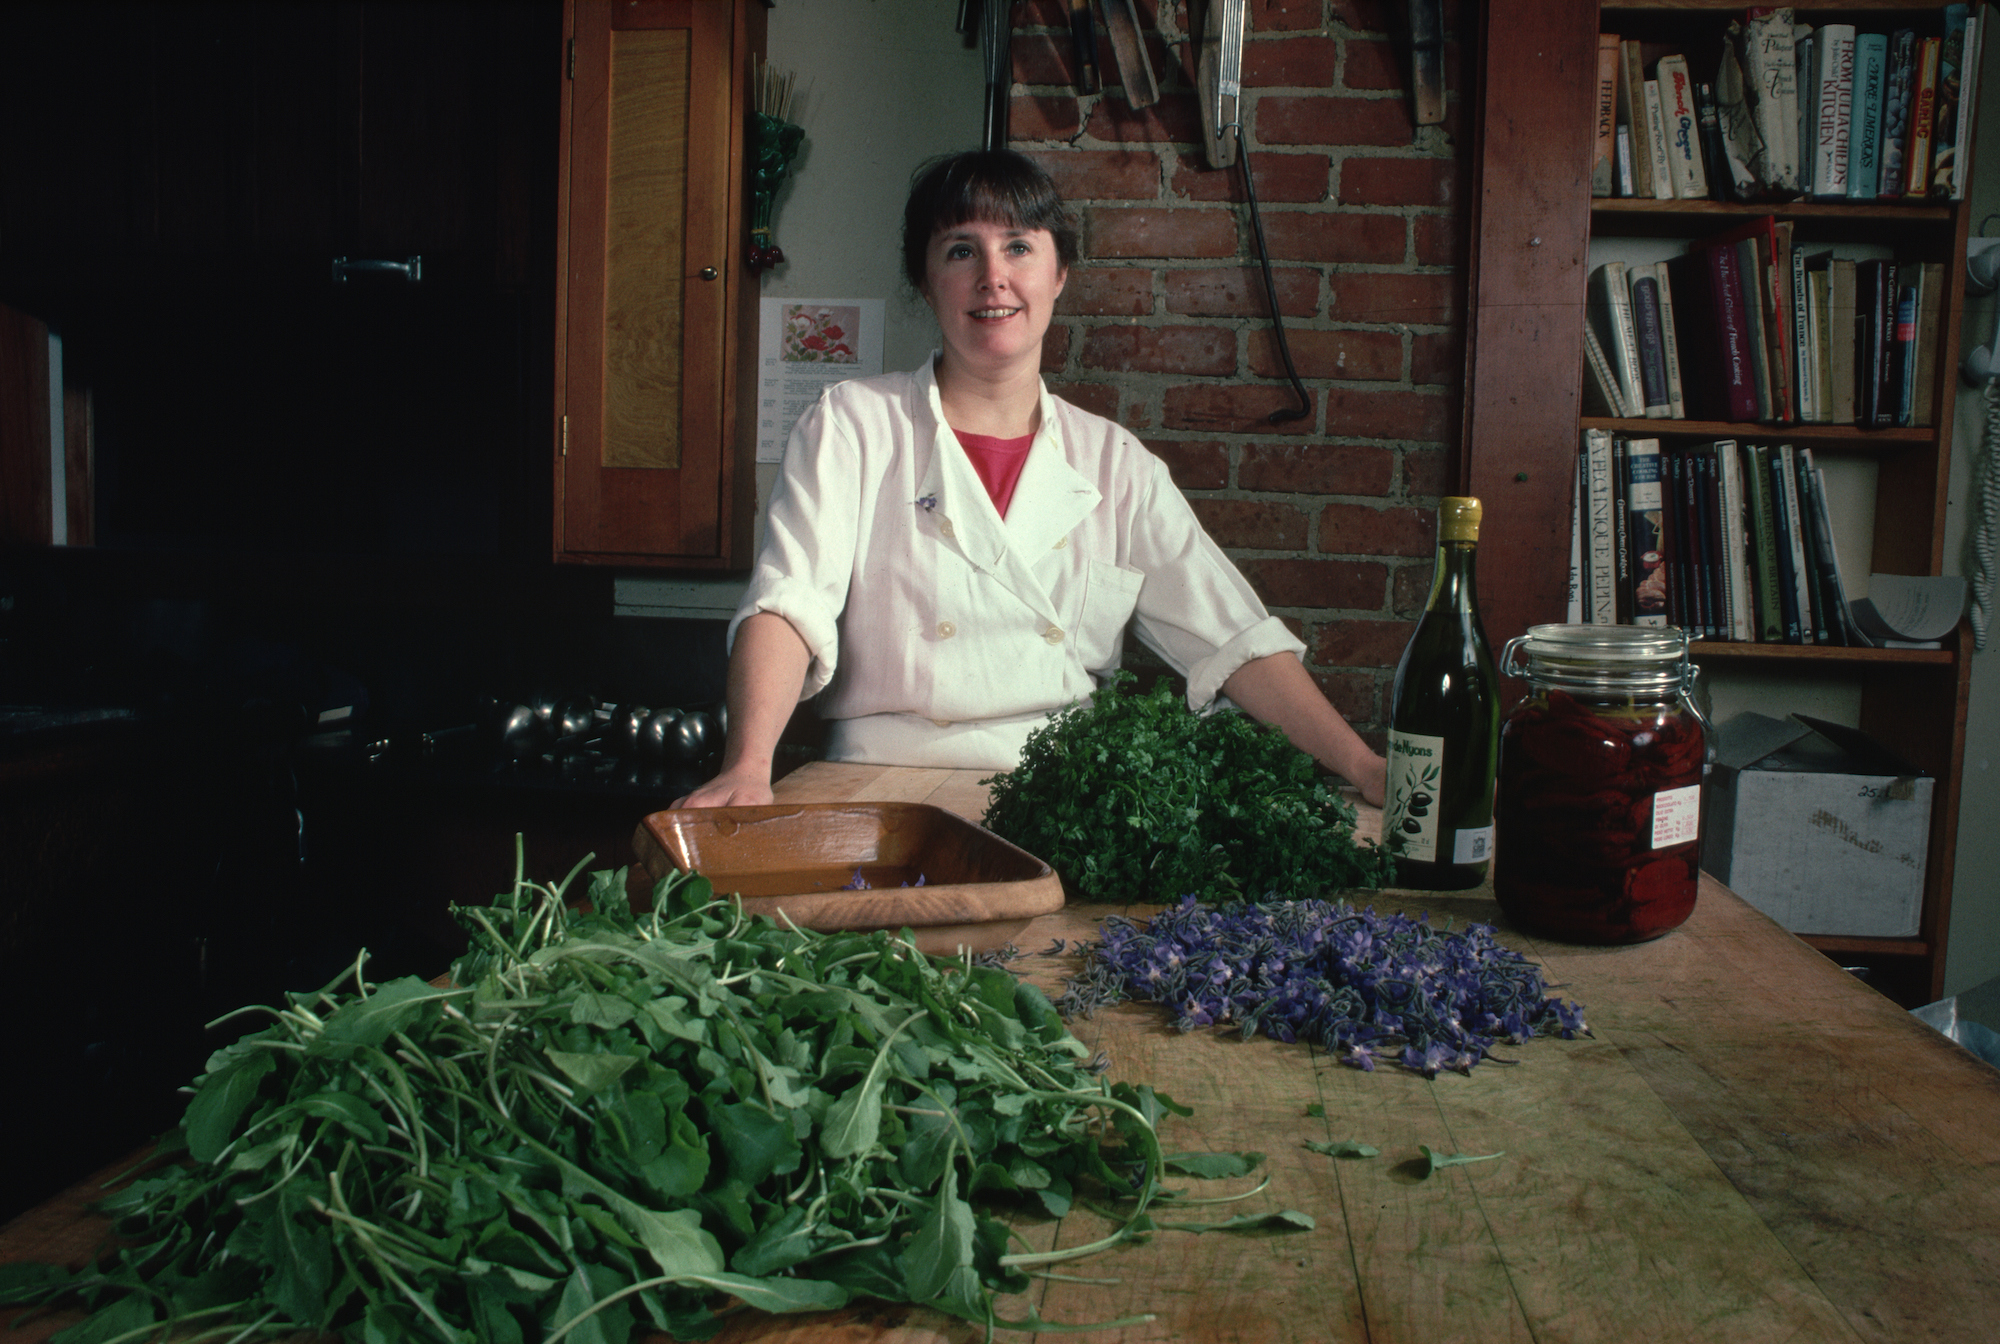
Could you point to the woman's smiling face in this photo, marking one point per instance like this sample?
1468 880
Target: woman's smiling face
993 287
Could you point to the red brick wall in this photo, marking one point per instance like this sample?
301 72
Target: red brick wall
1167 329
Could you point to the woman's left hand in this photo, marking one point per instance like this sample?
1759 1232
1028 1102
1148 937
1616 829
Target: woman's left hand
1374 783
1277 689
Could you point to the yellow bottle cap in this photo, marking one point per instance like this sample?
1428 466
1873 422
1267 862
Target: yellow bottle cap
1458 518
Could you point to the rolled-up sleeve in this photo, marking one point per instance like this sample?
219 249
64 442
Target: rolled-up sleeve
1196 610
806 559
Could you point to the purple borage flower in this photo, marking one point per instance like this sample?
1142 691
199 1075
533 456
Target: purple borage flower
861 883
1366 987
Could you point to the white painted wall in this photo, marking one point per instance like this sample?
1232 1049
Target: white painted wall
882 86
887 84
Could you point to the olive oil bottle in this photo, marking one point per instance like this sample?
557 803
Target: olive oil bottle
1444 725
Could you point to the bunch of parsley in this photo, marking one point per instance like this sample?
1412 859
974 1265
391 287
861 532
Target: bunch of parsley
1135 798
614 1123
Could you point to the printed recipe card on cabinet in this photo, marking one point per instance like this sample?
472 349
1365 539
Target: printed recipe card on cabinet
805 346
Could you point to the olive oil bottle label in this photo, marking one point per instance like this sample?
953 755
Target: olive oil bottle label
1410 815
1472 846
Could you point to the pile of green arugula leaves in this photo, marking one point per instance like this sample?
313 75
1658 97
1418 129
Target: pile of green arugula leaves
1134 797
614 1122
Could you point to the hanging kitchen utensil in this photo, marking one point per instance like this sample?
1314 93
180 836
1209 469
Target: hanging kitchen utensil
1128 43
1218 76
996 32
1083 37
1427 61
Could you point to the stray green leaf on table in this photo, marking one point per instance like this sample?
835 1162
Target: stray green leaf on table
1344 1148
1435 1161
1284 1220
1214 1166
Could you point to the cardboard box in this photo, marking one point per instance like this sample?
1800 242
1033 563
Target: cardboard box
1818 826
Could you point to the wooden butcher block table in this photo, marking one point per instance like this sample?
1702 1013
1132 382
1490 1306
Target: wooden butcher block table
1751 1146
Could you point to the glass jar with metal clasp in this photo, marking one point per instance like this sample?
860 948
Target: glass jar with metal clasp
1598 815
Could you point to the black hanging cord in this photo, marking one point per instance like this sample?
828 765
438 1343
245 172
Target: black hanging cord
1284 414
996 35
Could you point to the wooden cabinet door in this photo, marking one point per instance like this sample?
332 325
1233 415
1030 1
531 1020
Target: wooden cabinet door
654 298
178 180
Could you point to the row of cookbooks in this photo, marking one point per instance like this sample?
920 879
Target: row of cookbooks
1749 327
1785 109
1727 540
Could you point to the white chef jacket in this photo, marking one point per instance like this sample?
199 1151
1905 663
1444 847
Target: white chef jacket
942 634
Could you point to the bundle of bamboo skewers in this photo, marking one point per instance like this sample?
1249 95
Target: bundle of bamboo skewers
774 141
771 90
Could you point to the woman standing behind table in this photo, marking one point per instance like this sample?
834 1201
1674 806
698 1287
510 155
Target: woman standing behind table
951 554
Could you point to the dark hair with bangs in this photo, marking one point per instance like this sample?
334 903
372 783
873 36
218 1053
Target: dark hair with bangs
995 185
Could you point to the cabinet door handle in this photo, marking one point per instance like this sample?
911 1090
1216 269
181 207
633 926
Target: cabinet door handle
708 273
411 269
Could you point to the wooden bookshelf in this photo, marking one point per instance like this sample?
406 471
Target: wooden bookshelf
1870 947
1846 437
1724 651
1722 212
1528 265
1729 8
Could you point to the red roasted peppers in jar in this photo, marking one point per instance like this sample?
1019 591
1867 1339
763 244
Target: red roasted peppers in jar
1599 808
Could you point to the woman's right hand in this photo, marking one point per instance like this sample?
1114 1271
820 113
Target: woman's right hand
741 788
767 666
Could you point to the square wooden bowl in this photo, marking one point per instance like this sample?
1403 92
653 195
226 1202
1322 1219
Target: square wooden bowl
978 890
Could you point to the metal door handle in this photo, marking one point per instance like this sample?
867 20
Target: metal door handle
411 270
707 273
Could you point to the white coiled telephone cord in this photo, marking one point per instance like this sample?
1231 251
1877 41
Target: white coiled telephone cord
1982 276
1985 514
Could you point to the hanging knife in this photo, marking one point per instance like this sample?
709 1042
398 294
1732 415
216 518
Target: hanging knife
1083 32
1427 61
1218 77
1128 44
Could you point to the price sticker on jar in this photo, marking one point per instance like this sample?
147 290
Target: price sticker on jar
1676 816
